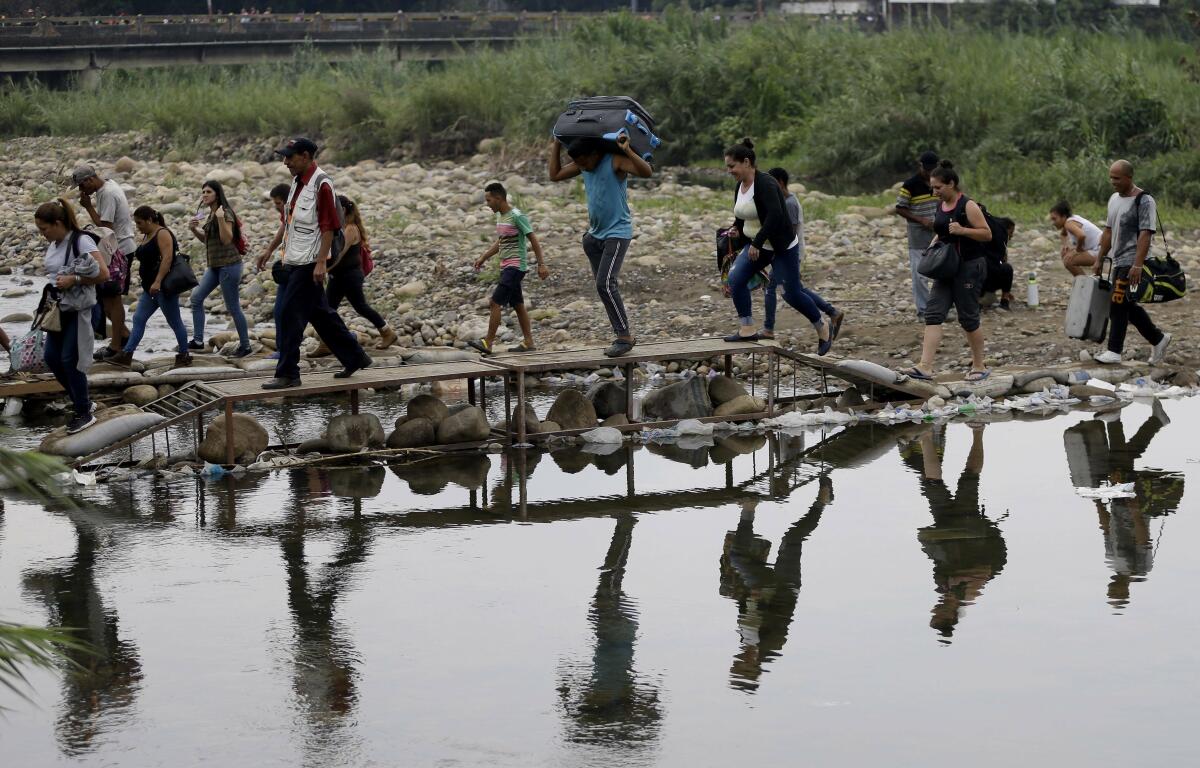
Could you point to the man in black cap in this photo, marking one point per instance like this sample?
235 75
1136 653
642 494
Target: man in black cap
312 221
917 203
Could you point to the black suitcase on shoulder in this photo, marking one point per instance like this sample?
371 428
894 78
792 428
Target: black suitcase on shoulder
607 117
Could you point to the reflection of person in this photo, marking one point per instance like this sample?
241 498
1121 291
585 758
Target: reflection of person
966 547
1099 453
766 594
109 673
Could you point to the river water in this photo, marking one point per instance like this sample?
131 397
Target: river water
859 596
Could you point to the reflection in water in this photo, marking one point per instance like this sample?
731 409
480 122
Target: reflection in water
325 663
108 679
1097 452
607 703
966 547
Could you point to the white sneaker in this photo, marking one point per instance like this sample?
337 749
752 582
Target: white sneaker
1108 357
1159 351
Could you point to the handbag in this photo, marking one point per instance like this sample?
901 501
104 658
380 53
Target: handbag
366 260
48 316
728 247
939 261
28 353
179 277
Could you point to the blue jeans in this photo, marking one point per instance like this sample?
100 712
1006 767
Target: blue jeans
229 278
61 352
147 305
785 272
769 300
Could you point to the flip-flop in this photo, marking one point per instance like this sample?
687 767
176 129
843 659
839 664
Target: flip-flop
974 376
918 374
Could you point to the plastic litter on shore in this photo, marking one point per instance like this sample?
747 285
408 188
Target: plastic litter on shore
1107 492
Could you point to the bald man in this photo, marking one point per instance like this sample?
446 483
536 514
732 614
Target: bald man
1132 221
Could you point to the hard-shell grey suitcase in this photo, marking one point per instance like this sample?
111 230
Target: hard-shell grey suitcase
607 117
1087 311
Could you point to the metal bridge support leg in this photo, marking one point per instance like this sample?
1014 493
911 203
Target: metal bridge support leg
520 415
772 382
508 427
629 392
354 402
729 366
229 457
471 391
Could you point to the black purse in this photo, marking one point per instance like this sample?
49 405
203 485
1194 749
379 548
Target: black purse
939 261
179 277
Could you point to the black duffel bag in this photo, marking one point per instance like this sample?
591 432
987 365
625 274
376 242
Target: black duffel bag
939 261
179 277
1162 280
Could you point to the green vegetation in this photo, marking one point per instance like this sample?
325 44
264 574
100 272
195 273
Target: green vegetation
1036 115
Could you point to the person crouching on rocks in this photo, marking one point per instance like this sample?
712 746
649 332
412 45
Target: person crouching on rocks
74 267
512 230
761 223
959 221
154 256
1080 239
346 275
610 230
221 233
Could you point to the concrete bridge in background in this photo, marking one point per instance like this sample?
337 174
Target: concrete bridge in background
90 45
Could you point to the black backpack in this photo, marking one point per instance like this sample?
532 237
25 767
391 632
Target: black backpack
995 249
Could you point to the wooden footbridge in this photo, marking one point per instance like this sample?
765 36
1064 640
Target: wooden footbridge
194 400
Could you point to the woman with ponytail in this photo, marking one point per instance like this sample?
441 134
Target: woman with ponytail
762 223
154 254
73 265
221 235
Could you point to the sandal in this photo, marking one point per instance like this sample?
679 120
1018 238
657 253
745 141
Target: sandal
974 376
522 348
918 374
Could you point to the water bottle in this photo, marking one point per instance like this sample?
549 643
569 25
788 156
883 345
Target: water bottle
1031 294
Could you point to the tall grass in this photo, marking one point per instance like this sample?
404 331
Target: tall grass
1037 115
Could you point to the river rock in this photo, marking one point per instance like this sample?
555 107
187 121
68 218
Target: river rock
125 165
413 432
722 389
468 425
1034 386
349 433
17 317
140 394
532 422
249 440
572 410
616 420
412 289
608 398
426 407
313 445
740 406
681 400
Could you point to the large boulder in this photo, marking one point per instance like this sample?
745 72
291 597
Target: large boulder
532 423
608 398
571 410
740 406
413 433
427 407
140 394
467 425
722 389
682 400
350 433
249 440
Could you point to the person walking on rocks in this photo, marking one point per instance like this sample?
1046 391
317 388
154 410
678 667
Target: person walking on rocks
610 224
1080 238
106 205
311 219
346 274
796 216
762 224
1128 231
154 256
512 231
917 204
960 221
224 242
75 269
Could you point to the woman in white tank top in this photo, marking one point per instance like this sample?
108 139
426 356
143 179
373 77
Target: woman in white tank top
1080 239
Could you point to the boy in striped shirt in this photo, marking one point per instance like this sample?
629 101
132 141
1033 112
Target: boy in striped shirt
512 231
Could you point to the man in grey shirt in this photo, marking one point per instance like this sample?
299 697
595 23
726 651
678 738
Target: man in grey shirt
1132 221
917 205
109 208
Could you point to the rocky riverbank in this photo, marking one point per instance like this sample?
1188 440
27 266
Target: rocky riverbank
427 223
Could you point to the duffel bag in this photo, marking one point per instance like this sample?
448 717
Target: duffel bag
1162 280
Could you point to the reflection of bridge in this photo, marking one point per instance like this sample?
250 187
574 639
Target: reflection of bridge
96 43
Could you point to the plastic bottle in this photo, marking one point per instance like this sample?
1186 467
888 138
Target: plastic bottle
1031 295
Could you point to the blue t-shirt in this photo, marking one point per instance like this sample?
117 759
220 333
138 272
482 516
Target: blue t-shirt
608 206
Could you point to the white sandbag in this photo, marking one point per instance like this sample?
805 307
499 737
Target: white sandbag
603 436
809 419
115 379
873 372
439 355
98 435
13 406
693 427
205 373
1108 492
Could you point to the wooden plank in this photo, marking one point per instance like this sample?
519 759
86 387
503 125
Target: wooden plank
685 349
390 376
25 387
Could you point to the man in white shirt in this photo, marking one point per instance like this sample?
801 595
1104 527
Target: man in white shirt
106 205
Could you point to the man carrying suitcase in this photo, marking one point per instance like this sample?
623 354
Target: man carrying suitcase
1132 221
610 230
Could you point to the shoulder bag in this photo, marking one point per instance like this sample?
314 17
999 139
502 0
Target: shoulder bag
939 261
179 277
